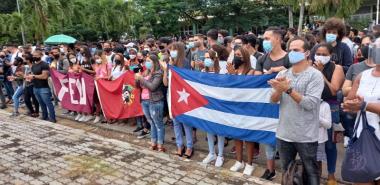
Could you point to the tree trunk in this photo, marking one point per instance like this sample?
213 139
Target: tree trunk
291 21
300 23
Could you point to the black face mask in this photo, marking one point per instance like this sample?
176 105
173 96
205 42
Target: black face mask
36 59
364 50
107 50
78 50
140 60
161 47
25 63
2 56
117 62
237 61
56 56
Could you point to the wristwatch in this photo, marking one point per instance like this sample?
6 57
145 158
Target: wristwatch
289 91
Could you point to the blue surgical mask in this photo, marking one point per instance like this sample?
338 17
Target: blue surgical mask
295 57
190 45
208 62
267 45
149 65
220 40
330 37
174 54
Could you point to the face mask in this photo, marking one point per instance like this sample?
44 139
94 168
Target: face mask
107 50
146 49
56 57
208 62
73 60
161 47
36 59
267 45
295 57
190 45
330 38
93 50
61 50
98 61
323 59
237 61
2 56
364 51
148 64
220 40
77 49
117 62
174 53
132 56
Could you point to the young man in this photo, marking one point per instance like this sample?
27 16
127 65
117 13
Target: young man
212 37
299 90
39 78
250 43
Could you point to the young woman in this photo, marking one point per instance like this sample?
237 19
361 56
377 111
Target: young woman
211 65
153 100
177 58
118 69
29 97
365 95
18 77
334 78
241 65
102 71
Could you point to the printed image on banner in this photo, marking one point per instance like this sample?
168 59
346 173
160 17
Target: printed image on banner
235 106
119 98
75 91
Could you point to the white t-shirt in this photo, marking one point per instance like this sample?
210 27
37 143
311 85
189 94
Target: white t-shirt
14 55
253 60
109 58
116 72
324 121
223 67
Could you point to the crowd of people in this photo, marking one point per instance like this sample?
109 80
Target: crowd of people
324 78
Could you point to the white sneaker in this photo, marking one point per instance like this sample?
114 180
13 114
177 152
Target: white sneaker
346 140
82 118
97 119
78 117
248 169
219 162
88 118
209 159
237 166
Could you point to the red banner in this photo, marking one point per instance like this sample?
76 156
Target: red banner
120 98
74 91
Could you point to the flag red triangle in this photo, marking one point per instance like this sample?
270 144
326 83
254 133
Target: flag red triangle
184 98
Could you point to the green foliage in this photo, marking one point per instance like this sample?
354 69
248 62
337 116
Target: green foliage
360 24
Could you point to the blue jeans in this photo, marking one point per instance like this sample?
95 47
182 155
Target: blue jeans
270 152
331 152
156 114
43 96
308 154
210 142
16 97
348 121
178 131
8 88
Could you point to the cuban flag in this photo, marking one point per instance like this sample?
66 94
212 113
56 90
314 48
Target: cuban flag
235 106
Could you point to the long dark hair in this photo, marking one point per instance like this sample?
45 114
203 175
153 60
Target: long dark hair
156 62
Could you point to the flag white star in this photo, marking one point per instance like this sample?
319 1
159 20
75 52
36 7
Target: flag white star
183 96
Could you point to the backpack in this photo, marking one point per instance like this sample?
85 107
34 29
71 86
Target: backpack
294 175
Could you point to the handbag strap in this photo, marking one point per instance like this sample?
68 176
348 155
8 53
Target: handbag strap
357 124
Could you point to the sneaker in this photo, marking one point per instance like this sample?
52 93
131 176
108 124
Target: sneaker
219 162
82 118
209 159
268 175
248 169
142 134
65 113
237 166
78 117
72 114
88 118
15 114
97 119
138 129
346 140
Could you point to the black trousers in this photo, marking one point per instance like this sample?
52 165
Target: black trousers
31 100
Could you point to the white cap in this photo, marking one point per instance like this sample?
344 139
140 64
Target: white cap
130 45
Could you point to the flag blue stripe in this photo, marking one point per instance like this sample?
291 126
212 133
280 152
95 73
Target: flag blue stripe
259 136
226 81
254 109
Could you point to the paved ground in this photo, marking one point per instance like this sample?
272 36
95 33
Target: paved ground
38 152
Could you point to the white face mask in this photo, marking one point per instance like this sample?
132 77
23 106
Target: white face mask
73 60
323 59
98 61
132 56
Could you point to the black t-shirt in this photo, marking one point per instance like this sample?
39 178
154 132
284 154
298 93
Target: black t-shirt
37 70
265 62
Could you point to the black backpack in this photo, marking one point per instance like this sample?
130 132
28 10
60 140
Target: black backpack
294 175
